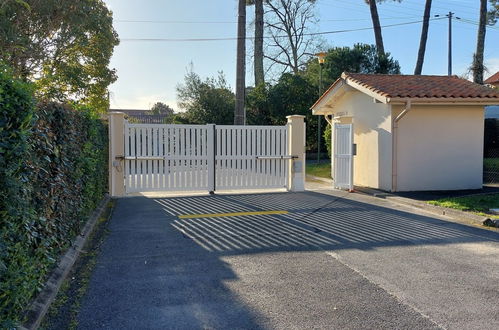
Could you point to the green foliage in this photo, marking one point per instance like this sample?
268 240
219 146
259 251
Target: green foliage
361 58
53 172
159 108
322 170
208 101
18 266
64 46
477 203
493 13
292 95
327 137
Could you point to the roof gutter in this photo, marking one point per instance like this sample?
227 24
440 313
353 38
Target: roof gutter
407 108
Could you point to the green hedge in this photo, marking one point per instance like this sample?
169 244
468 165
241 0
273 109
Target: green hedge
53 173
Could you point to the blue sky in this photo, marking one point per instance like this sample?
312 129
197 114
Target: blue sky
149 71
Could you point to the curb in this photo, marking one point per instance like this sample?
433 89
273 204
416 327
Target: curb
438 210
42 302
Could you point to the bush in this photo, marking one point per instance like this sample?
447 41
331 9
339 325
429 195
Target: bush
327 138
53 172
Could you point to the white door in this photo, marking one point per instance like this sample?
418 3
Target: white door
343 156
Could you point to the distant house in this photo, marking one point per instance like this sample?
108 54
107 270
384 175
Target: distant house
410 132
141 116
493 80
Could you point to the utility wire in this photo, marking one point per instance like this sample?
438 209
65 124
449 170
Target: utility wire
266 37
235 22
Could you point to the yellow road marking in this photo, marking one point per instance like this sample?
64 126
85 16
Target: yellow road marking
233 214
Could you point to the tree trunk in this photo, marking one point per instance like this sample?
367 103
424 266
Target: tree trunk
259 74
239 114
377 27
480 45
424 38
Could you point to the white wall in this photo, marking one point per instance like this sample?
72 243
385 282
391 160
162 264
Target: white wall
440 148
372 134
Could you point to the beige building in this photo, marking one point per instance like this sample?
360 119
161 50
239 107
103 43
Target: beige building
411 132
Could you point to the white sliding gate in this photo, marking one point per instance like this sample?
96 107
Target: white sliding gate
343 156
204 157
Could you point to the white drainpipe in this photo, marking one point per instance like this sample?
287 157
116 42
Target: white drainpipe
395 140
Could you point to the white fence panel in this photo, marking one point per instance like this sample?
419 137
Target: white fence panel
165 157
343 156
251 157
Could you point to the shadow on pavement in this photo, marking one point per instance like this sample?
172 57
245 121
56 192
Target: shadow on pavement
157 270
314 221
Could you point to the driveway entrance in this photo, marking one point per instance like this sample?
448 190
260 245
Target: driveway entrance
289 261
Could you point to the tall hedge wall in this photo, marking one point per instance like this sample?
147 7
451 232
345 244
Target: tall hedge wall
53 173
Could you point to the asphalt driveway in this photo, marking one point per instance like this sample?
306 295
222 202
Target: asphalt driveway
334 260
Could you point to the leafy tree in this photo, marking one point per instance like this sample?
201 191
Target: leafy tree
208 101
257 100
361 58
292 94
159 108
64 46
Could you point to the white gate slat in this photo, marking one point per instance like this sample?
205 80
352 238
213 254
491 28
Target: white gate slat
244 161
140 162
252 159
218 162
162 154
133 152
126 166
176 164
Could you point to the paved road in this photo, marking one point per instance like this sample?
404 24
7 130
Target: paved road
335 261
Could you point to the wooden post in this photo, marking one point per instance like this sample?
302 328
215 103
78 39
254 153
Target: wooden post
296 145
116 150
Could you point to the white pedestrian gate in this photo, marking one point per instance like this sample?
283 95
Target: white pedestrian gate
343 156
204 157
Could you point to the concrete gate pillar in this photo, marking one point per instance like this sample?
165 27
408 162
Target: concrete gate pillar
116 154
296 143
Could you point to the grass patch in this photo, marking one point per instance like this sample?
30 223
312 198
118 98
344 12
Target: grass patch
63 312
491 164
479 204
322 170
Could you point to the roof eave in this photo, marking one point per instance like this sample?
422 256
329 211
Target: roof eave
443 101
319 107
381 97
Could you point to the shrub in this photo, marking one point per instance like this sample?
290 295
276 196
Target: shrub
53 172
327 139
18 266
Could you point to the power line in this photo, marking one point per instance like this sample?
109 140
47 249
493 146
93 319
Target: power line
234 22
266 37
173 22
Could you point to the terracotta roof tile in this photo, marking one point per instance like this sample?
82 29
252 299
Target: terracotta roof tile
411 86
493 79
